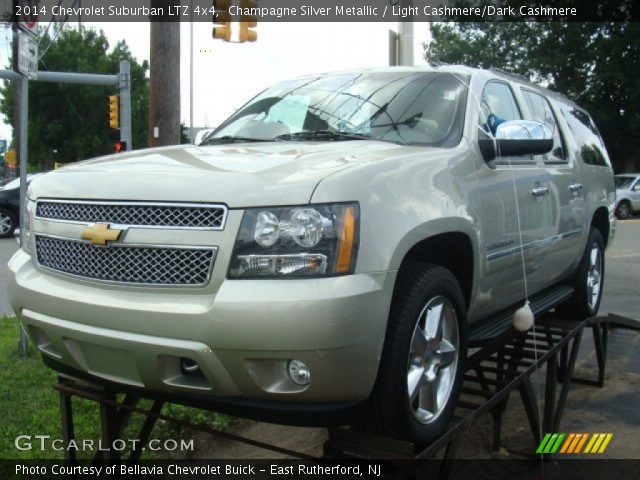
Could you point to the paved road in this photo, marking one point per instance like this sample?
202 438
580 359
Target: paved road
622 275
622 284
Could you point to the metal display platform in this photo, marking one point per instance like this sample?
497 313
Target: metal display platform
492 373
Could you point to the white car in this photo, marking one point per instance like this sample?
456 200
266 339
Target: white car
627 195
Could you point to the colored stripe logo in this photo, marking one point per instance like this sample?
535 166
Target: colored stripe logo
574 443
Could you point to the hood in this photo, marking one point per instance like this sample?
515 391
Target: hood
246 175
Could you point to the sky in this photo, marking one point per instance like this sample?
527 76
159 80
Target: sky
226 74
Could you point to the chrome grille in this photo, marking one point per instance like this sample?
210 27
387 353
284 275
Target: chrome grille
127 264
135 214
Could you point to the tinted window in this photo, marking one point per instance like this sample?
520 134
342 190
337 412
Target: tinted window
413 108
624 182
591 147
541 112
498 105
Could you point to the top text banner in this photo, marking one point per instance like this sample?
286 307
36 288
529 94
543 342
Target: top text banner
327 10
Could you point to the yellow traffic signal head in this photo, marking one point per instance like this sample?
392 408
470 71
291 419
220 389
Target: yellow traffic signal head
222 20
221 4
222 31
248 22
246 33
248 4
114 111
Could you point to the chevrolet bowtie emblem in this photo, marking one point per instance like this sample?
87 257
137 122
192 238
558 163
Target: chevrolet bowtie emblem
101 233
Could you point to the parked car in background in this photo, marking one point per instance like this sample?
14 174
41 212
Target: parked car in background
627 195
328 253
10 206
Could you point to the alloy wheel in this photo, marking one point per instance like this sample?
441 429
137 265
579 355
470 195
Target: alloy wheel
623 210
6 223
433 359
594 276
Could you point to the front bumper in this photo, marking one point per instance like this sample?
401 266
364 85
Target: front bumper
242 336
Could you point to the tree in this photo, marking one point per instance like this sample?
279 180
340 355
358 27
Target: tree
595 64
72 119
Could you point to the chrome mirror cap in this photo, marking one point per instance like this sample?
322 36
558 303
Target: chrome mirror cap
523 130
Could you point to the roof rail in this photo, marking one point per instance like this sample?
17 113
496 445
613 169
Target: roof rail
437 63
510 74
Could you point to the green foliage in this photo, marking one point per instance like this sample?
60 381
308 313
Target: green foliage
30 406
73 118
595 64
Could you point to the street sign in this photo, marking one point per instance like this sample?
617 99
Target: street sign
27 55
28 21
10 158
30 27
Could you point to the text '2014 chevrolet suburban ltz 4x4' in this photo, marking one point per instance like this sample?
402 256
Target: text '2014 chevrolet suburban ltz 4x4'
328 253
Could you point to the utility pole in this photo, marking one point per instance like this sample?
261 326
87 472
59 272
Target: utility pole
124 90
393 48
191 71
20 126
405 37
164 101
16 91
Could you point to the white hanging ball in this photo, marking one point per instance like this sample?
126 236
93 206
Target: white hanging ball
523 318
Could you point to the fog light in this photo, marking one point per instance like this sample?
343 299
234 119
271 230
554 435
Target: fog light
299 372
188 365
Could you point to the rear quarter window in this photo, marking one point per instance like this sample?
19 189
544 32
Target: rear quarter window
540 110
592 150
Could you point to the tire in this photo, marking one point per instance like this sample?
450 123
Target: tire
623 211
588 281
423 293
8 223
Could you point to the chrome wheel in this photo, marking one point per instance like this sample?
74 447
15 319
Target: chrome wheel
6 223
433 359
594 276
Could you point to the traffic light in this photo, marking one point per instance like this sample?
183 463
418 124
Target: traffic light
248 23
222 20
120 146
114 111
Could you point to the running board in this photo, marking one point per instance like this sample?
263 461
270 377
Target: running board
487 330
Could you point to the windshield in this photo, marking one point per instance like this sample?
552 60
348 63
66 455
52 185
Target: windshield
624 182
413 108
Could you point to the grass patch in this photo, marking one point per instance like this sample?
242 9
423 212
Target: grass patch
30 406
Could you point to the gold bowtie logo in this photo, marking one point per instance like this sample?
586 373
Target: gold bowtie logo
101 233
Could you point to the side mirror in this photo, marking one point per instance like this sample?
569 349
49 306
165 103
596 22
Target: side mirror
201 134
517 138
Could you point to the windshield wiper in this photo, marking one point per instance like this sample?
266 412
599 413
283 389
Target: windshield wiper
323 135
231 139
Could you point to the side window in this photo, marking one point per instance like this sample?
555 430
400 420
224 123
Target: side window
591 147
541 112
498 105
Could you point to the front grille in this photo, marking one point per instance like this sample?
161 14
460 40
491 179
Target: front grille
126 264
135 214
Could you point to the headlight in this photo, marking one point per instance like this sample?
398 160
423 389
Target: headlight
305 241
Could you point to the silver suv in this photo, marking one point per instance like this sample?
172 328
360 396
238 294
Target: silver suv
328 254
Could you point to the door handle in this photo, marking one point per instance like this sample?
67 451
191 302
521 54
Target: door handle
539 191
574 187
